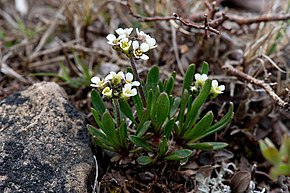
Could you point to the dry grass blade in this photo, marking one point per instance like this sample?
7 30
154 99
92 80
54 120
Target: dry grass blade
48 32
10 72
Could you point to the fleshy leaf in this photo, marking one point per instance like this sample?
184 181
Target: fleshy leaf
200 128
169 85
109 128
188 77
179 154
143 128
123 134
174 106
126 109
204 67
197 103
153 79
97 102
140 142
162 109
208 145
144 160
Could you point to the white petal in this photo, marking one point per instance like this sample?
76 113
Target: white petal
197 76
135 45
119 31
222 87
121 74
111 37
204 77
129 76
109 77
21 6
94 85
144 47
127 86
144 57
128 31
136 83
95 79
133 92
214 83
151 42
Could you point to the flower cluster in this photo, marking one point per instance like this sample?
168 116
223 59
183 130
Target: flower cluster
116 85
132 46
199 82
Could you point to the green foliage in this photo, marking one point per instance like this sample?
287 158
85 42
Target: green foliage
280 159
147 133
74 75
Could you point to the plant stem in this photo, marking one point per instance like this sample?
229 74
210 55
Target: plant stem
140 88
117 108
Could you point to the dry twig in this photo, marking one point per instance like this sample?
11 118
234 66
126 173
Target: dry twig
262 84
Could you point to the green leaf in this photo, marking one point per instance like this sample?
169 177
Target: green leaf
109 128
270 152
149 101
97 102
188 78
143 128
174 106
168 128
197 103
96 117
162 109
161 86
204 68
183 104
208 145
169 85
140 142
163 148
221 123
144 160
179 154
200 128
100 138
126 109
123 134
153 79
139 106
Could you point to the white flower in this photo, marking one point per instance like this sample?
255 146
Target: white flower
21 6
107 92
112 39
151 42
127 91
139 51
215 88
141 35
124 33
146 38
97 82
129 79
115 78
125 44
200 79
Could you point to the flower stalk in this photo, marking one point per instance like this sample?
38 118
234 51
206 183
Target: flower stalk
140 88
117 109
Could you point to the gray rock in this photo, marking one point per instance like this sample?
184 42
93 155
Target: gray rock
44 146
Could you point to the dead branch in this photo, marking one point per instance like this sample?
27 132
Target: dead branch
229 68
205 27
263 18
146 19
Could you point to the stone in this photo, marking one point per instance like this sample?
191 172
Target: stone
44 146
